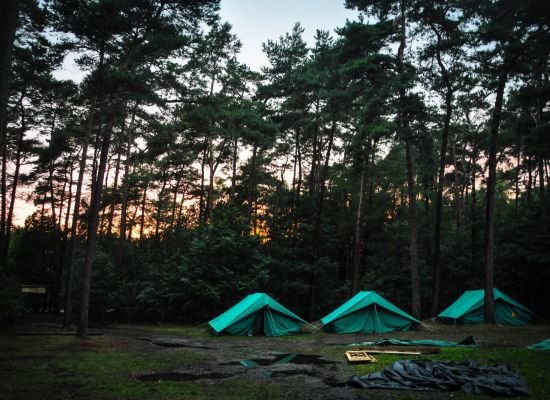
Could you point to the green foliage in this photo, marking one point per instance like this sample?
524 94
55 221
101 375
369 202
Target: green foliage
233 181
11 299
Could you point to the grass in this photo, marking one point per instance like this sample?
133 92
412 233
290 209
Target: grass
104 368
59 367
171 329
534 366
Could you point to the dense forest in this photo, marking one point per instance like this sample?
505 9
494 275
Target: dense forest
408 152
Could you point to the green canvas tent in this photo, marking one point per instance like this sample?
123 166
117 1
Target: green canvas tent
367 312
257 314
468 309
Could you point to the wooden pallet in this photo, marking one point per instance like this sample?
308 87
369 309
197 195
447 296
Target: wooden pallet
359 356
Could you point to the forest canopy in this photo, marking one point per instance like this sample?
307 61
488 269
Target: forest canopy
408 152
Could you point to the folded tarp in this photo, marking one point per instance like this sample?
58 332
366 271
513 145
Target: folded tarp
445 376
544 345
468 342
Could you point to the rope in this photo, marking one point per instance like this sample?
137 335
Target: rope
376 313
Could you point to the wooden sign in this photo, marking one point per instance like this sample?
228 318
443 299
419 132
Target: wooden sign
36 289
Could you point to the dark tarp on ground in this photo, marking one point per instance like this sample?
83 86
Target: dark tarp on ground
449 376
467 342
544 345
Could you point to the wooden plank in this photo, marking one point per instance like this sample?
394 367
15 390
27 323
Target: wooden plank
404 352
360 356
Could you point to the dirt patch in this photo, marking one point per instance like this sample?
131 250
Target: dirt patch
308 359
168 342
179 376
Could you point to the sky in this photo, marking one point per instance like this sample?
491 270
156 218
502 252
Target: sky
256 21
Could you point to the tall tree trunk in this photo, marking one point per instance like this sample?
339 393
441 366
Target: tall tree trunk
413 240
540 115
530 179
8 24
69 200
436 265
71 248
518 161
358 247
114 194
315 157
9 220
201 195
490 203
105 185
58 267
456 187
318 218
210 198
547 172
252 189
3 198
234 168
541 182
180 208
403 126
143 202
126 182
473 217
93 224
160 201
175 201
62 199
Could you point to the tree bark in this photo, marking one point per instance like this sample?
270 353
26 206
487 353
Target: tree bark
413 240
473 233
439 202
71 248
403 126
201 195
210 195
318 218
490 203
125 182
8 18
93 223
252 189
160 201
113 195
518 161
175 201
142 220
234 168
358 246
69 200
9 220
530 179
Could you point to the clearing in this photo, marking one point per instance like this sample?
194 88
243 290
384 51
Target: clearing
177 362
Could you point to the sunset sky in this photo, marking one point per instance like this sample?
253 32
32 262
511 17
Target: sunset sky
254 22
